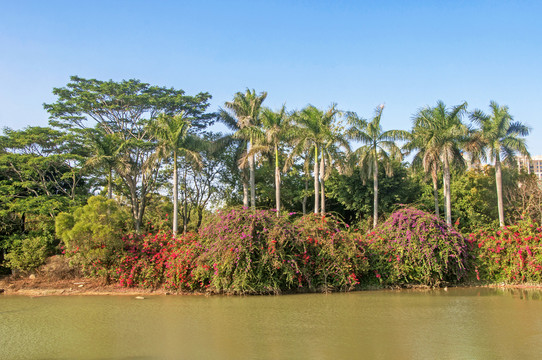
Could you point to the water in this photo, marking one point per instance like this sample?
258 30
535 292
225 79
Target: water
455 324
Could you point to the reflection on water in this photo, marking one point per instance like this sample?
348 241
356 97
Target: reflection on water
435 324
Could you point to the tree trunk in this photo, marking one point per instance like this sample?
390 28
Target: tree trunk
109 183
185 200
316 178
435 191
200 217
447 193
252 179
277 179
245 188
304 202
375 189
175 195
322 193
498 180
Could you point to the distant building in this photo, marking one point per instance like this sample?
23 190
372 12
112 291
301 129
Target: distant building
531 166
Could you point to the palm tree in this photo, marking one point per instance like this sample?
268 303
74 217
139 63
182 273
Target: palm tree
275 129
425 158
334 152
313 132
246 108
377 146
104 153
445 135
240 150
175 140
500 138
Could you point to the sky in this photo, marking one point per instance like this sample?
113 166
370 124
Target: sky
358 54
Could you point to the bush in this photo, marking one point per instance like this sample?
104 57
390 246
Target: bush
258 252
28 253
414 247
151 260
94 231
512 254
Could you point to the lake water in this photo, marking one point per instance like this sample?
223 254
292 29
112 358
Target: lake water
462 323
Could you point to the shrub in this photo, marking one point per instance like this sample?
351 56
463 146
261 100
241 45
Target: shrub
258 252
28 253
93 232
512 254
414 247
330 258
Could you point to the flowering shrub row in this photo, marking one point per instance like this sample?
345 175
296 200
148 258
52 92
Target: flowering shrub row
511 255
243 251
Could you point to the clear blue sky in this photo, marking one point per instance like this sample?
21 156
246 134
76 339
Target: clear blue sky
359 54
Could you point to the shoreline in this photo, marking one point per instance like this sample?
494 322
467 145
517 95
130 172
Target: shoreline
38 287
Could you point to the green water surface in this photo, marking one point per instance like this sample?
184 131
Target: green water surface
462 323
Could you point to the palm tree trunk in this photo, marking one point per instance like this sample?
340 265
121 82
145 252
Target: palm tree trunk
304 202
316 179
498 180
447 193
252 179
435 191
245 188
322 193
375 189
175 194
185 201
277 179
109 182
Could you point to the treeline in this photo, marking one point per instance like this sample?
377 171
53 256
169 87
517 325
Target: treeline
152 150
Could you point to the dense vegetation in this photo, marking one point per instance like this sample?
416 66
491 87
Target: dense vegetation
190 209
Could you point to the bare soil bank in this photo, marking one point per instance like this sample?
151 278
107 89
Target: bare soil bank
44 286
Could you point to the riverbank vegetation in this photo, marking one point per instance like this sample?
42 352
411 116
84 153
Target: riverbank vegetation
132 184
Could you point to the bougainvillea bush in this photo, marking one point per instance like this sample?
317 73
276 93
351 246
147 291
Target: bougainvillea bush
244 252
512 254
414 247
258 252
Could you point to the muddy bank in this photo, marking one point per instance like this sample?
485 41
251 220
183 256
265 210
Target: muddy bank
41 286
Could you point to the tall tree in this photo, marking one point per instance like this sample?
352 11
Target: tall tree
175 141
239 147
377 146
246 108
41 173
275 129
426 158
314 132
126 108
445 136
500 138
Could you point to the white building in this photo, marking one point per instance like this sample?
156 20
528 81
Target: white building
532 166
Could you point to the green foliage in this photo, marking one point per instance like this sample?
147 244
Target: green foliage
40 172
355 196
29 252
474 199
93 232
414 247
126 109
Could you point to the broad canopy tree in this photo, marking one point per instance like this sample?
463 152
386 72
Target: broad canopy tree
126 109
